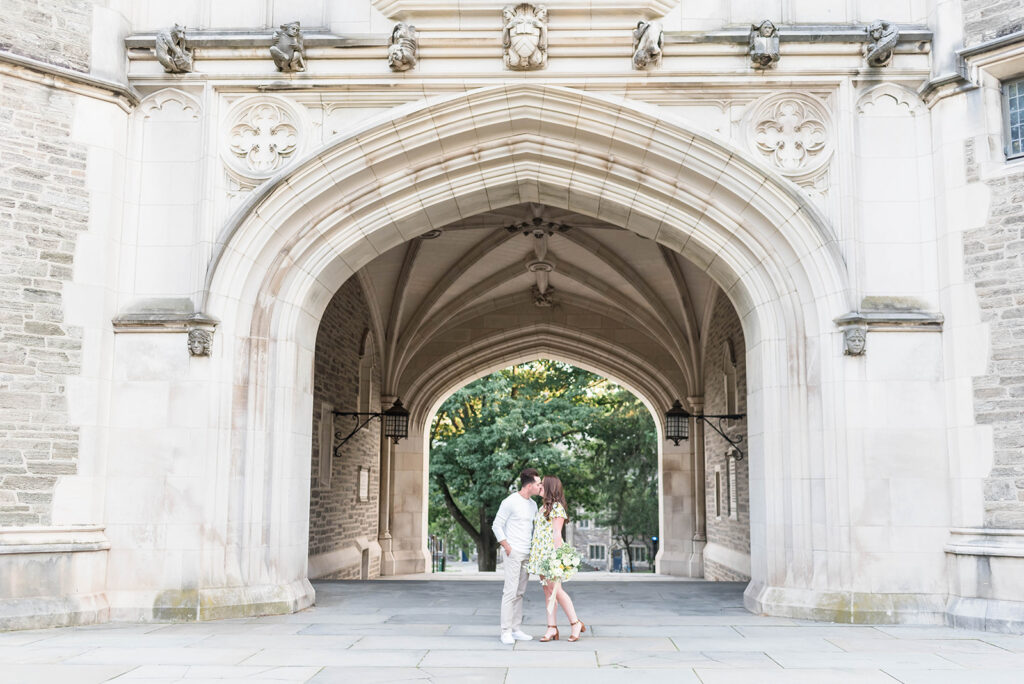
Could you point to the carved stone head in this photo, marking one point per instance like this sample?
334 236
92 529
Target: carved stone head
766 29
200 342
855 340
291 28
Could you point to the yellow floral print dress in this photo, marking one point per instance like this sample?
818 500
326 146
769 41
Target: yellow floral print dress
543 545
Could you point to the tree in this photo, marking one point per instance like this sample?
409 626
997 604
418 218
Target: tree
532 415
622 457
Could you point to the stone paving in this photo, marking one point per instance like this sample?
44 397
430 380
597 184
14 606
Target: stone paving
429 631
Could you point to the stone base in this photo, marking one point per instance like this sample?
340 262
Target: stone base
411 562
848 607
679 563
211 604
986 576
52 577
990 615
346 563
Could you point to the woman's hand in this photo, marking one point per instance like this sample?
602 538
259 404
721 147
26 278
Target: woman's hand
556 529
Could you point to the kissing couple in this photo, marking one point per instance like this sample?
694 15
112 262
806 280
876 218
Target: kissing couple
532 541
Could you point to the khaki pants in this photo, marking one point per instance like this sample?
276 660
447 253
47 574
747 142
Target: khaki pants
516 576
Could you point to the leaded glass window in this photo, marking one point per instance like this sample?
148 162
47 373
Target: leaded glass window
1013 98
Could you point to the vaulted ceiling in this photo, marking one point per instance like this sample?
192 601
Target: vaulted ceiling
530 281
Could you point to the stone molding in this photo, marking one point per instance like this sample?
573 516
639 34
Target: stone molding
893 321
166 320
404 9
43 539
26 68
981 541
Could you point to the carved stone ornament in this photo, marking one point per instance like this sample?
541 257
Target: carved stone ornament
200 342
883 37
545 299
172 50
525 36
764 45
263 137
287 49
648 40
403 47
792 132
855 340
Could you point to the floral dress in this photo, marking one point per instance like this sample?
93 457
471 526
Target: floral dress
543 545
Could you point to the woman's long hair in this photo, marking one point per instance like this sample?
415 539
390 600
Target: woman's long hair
553 494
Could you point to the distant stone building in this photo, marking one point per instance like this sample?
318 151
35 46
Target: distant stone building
226 227
600 550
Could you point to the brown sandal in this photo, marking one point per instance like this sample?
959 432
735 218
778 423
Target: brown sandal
546 638
583 629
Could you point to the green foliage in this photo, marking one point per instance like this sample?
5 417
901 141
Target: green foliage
598 438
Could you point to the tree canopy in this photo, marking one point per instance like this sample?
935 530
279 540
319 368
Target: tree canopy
597 437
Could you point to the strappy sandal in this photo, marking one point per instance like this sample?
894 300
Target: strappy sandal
583 629
546 638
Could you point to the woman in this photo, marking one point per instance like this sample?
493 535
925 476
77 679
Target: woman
547 537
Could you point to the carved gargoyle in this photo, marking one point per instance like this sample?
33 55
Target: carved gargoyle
648 39
287 49
525 36
403 47
764 44
172 51
883 37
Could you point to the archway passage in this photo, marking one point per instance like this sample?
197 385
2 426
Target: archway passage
529 281
596 437
428 167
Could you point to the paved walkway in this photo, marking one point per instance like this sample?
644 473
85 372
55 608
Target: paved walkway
425 631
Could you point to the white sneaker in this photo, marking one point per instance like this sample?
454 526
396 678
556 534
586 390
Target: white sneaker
520 635
507 638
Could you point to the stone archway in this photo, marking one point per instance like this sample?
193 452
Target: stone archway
278 263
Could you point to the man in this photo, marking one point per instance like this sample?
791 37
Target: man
513 528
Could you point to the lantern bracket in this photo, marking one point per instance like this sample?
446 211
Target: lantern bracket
363 419
677 411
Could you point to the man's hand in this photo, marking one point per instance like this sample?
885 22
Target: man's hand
505 545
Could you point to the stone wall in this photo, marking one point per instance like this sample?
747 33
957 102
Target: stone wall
727 525
987 19
583 537
43 207
53 31
337 519
994 257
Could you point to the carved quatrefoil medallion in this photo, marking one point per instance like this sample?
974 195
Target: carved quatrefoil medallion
792 132
262 138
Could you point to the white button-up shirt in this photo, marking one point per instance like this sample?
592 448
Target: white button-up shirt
514 522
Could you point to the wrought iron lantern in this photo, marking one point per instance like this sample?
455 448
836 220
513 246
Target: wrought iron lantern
677 425
395 423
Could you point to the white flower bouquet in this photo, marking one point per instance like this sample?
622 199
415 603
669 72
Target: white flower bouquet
559 567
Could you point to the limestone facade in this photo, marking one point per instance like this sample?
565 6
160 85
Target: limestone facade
819 195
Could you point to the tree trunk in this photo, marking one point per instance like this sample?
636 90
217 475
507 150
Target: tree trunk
486 545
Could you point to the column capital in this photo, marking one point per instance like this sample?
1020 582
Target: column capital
386 400
696 402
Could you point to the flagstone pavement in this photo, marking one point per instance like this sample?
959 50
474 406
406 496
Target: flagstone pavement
430 631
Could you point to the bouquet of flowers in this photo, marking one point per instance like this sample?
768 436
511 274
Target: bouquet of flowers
560 567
